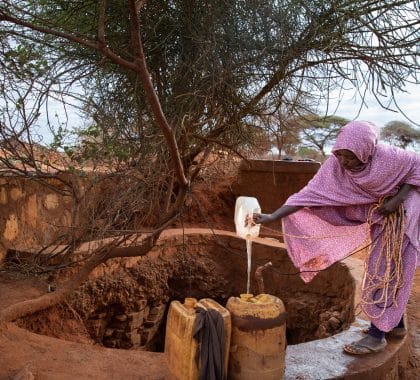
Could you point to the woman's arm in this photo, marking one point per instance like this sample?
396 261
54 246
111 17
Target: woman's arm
278 214
391 204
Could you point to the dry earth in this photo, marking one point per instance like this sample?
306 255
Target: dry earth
25 355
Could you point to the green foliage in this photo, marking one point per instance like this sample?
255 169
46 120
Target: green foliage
24 61
319 131
58 139
311 153
401 134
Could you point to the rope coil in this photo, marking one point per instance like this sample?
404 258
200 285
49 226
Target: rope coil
384 278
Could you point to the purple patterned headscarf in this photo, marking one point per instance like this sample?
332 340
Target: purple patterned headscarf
360 137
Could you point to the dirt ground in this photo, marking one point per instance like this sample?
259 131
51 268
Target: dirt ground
22 353
413 314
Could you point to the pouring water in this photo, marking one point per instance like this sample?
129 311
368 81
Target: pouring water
248 254
245 207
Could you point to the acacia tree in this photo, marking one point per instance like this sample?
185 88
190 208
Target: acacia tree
319 131
280 121
283 134
164 81
401 134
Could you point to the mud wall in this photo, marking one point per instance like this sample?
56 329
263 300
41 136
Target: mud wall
272 182
31 214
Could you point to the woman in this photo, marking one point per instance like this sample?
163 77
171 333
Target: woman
358 191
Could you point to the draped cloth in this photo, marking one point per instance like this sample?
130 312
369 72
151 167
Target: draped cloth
209 332
333 223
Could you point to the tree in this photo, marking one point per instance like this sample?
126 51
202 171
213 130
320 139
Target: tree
400 134
310 153
319 131
166 81
284 134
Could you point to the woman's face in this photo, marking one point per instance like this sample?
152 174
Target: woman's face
348 160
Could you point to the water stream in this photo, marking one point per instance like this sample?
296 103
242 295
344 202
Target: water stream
249 254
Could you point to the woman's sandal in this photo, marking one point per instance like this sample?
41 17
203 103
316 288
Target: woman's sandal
366 345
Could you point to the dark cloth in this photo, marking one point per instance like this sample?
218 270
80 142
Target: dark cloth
375 332
209 332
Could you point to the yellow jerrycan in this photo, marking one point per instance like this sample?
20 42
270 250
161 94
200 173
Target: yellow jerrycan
180 345
258 340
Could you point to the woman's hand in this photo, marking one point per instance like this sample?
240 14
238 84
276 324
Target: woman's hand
254 219
390 205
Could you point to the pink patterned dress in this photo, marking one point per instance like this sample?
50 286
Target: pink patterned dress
334 221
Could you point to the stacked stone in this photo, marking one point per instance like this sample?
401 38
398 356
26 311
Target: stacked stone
151 325
128 330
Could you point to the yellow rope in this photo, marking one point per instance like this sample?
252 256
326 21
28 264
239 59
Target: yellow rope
386 276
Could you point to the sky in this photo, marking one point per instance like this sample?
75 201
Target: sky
349 107
408 102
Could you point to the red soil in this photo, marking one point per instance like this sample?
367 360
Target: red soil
24 354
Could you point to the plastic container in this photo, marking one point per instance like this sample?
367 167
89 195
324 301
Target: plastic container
180 345
245 206
258 340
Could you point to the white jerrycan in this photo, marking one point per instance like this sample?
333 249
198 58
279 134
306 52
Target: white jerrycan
246 206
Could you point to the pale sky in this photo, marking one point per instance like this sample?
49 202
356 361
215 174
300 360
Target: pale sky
408 102
349 107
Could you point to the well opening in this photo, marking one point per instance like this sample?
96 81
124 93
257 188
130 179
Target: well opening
125 302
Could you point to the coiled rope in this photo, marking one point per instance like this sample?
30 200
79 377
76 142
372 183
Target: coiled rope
384 273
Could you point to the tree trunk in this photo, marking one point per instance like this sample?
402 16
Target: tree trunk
21 309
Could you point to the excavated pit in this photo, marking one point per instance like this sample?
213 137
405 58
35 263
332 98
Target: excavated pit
125 302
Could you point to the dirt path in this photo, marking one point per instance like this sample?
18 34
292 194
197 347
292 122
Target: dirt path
413 314
413 317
